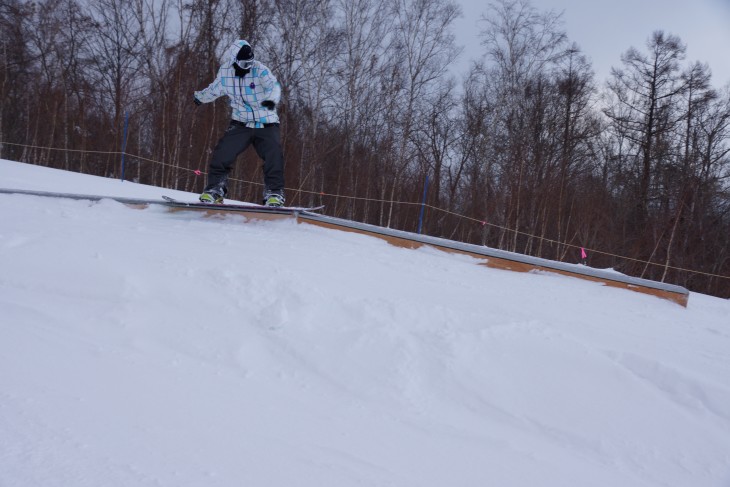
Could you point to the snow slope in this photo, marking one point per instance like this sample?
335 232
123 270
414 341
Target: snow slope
148 348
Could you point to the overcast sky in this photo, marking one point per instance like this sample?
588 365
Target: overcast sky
605 29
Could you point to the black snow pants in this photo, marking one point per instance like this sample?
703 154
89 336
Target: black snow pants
267 143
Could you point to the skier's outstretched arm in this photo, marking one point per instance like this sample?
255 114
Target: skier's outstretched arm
213 91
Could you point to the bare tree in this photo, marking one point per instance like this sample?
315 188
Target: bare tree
641 107
577 128
361 70
115 47
16 25
522 47
426 46
301 43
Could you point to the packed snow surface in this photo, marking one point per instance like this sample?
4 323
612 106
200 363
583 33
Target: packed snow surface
152 348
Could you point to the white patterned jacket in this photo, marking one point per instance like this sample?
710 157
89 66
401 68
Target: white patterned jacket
245 93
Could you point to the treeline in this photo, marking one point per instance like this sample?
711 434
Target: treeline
525 152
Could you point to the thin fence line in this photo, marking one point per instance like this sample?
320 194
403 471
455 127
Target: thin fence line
113 153
198 172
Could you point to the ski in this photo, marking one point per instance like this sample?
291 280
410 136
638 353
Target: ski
238 206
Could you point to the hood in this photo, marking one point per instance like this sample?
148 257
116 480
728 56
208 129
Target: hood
230 55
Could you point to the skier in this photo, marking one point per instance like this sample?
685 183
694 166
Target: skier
254 93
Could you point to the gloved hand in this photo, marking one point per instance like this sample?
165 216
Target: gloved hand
268 104
197 102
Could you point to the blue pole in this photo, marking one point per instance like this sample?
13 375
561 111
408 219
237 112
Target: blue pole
423 205
124 140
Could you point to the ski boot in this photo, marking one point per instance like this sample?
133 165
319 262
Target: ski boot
274 198
213 195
